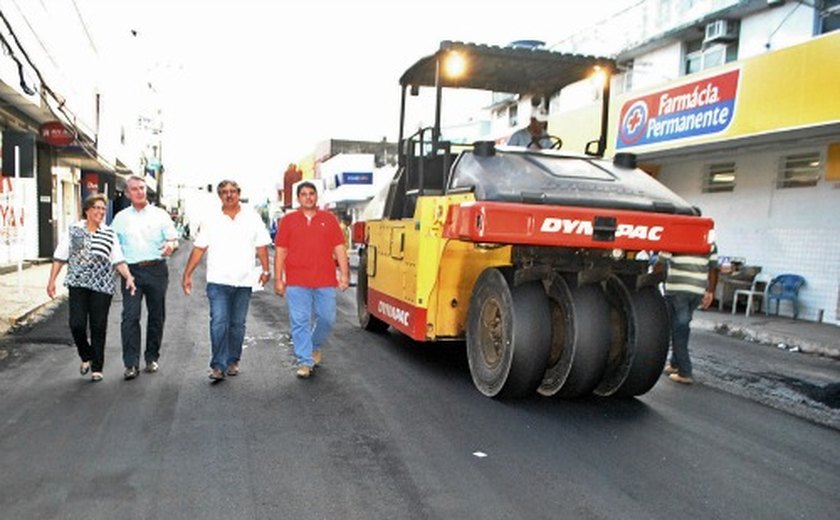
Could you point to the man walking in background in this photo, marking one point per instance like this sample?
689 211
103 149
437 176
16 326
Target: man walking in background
309 242
147 237
231 237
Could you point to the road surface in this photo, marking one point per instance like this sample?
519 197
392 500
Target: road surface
386 428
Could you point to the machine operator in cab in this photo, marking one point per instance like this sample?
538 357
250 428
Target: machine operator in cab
535 135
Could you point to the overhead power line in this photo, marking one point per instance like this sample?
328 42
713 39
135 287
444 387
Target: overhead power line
85 27
69 117
601 22
34 33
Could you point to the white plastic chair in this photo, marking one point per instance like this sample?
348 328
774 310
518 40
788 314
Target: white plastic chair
757 289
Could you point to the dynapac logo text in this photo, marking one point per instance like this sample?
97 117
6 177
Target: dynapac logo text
394 313
584 227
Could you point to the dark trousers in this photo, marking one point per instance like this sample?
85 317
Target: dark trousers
681 310
151 282
89 307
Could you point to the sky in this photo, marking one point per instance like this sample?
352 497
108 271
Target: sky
248 86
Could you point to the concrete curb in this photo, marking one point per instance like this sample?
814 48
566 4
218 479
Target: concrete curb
9 323
775 338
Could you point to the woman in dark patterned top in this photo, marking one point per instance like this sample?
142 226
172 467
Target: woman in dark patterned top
92 253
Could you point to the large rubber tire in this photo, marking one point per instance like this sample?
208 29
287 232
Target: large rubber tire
623 344
580 339
649 330
508 341
366 320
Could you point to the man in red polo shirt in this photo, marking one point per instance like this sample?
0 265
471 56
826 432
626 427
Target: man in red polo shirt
308 243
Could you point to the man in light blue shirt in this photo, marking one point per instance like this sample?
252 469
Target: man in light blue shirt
147 236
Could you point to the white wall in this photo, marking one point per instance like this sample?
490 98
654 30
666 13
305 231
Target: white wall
657 67
775 29
197 205
782 230
345 162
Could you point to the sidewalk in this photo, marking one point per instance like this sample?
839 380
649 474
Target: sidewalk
17 305
23 295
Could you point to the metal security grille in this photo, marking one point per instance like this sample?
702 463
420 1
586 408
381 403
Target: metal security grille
719 177
799 170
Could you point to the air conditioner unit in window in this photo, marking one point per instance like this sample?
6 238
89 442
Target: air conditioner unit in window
721 31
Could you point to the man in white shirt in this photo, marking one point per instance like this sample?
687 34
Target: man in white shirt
231 237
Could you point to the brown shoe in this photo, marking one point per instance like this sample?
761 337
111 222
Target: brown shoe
671 369
233 369
316 356
304 371
686 380
216 375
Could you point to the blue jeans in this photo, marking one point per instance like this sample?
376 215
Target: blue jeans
312 316
151 282
681 309
228 310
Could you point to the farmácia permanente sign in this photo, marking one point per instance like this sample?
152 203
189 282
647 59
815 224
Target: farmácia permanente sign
698 108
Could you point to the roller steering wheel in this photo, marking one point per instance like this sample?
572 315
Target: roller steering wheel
555 142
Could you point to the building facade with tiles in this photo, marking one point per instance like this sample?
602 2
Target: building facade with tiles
734 105
736 108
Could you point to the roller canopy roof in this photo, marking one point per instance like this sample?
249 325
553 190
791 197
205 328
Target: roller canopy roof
515 70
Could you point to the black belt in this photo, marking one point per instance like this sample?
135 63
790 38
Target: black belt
147 263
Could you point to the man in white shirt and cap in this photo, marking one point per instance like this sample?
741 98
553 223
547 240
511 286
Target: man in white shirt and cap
535 135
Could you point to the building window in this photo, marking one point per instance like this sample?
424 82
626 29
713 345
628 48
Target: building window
627 79
513 119
830 16
799 170
719 177
700 57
